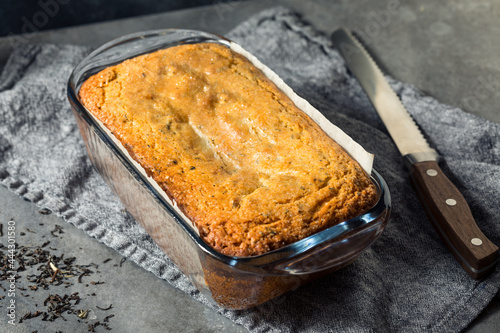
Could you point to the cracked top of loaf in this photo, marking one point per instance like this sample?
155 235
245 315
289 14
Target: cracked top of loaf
243 163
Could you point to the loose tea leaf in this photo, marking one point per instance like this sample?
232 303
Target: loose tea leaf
58 229
122 261
83 314
45 211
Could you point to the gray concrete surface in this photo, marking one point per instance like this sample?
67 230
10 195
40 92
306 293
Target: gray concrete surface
448 49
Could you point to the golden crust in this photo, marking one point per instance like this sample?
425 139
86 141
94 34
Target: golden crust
253 172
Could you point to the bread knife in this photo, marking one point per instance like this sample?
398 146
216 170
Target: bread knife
445 206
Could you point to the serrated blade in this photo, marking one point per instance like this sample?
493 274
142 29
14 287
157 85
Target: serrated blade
401 126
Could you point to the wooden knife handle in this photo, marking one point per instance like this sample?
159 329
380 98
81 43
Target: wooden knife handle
453 220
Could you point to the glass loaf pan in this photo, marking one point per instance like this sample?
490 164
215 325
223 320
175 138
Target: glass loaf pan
230 282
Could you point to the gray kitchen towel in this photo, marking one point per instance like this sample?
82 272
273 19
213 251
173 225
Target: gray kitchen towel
406 282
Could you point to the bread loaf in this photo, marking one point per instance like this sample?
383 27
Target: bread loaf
242 162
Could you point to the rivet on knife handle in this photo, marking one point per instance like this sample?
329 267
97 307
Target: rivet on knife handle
444 204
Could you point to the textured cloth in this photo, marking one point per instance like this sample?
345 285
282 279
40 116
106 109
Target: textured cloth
406 282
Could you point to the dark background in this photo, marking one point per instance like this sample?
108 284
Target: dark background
25 16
